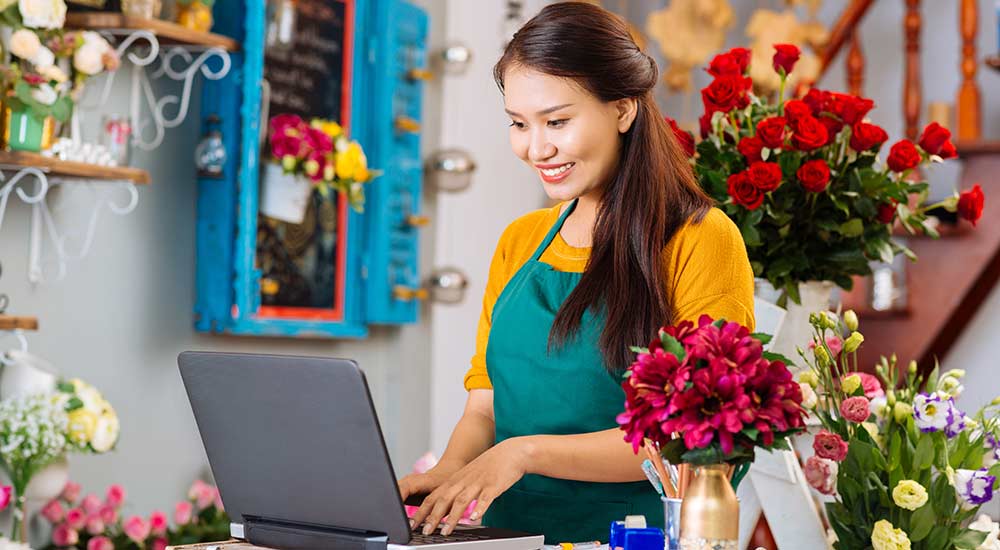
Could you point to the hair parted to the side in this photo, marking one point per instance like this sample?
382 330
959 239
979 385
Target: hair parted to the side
652 194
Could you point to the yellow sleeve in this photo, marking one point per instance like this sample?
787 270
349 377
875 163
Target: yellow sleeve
710 271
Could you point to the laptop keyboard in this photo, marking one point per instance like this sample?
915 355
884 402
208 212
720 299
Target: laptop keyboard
418 539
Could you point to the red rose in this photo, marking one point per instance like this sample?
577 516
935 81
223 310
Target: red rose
903 156
726 93
684 138
814 175
808 134
743 192
33 78
866 136
796 109
851 109
948 150
705 125
833 127
771 131
934 138
817 100
750 148
970 204
765 176
830 446
887 211
785 56
734 62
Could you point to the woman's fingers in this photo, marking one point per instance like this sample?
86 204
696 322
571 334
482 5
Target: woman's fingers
424 510
458 507
482 504
437 511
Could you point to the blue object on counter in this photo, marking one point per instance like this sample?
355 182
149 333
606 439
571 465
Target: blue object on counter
646 538
672 521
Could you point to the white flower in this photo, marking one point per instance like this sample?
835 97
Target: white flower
42 14
7 544
974 487
88 58
43 58
45 94
950 386
53 72
809 398
32 431
986 525
931 413
106 434
879 407
24 44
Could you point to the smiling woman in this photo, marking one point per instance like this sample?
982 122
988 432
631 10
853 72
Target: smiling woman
634 244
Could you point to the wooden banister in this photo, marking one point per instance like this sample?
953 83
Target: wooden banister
842 31
855 66
911 82
968 102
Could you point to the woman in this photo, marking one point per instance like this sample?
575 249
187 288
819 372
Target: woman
635 244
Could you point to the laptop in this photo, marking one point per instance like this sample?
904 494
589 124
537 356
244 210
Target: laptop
296 450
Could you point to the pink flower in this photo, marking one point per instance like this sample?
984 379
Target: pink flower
318 140
33 78
100 543
284 145
202 493
870 384
182 513
6 492
115 496
91 504
70 492
281 122
855 409
822 474
64 535
159 544
835 344
109 514
95 526
158 523
218 501
53 511
136 529
76 518
830 446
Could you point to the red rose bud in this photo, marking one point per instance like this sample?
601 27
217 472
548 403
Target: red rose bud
685 139
705 125
726 93
734 62
833 127
817 100
750 148
866 136
851 109
796 109
887 211
934 138
744 192
970 204
771 131
765 176
814 175
948 150
808 134
785 56
903 156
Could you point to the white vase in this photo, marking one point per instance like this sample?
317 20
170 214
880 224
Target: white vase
26 374
48 483
284 196
795 331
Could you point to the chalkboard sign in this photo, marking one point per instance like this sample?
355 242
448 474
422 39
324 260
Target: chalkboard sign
311 77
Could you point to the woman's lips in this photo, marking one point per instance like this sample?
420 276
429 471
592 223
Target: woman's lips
555 173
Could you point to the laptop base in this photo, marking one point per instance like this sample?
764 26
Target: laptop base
287 536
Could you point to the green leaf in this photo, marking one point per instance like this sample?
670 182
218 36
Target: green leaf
750 235
638 349
763 337
62 109
65 387
924 456
73 404
673 346
938 538
969 539
852 228
922 520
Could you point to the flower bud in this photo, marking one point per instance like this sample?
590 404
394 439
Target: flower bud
954 373
830 320
890 398
913 367
288 162
809 377
815 320
851 320
996 401
880 370
902 411
853 342
822 357
850 384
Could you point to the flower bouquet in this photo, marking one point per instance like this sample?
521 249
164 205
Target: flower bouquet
312 155
50 69
802 180
907 468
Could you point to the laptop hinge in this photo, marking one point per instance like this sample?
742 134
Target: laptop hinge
292 536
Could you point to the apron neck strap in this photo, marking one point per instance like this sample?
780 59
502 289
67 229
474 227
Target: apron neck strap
552 232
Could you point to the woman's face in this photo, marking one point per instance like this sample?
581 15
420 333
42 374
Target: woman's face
568 136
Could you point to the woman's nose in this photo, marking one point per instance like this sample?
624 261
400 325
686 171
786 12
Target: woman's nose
541 148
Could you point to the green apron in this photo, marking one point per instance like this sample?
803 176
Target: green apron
567 391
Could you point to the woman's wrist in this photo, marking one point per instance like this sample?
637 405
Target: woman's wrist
524 452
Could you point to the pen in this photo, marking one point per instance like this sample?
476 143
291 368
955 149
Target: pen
652 476
590 545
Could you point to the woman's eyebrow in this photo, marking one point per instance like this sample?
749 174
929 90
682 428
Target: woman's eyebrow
543 111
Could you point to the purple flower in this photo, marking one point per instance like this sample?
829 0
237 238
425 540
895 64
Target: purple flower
934 413
975 487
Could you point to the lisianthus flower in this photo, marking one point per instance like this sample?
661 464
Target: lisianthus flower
830 446
935 413
909 494
821 474
869 383
887 537
855 409
974 487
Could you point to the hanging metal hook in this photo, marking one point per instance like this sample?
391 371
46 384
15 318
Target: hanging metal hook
19 334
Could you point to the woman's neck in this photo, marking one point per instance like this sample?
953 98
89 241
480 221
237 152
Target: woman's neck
578 229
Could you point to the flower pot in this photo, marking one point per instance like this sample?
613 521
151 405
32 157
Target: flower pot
795 331
195 16
48 483
284 196
26 374
23 131
710 512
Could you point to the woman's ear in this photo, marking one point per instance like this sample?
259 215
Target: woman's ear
627 110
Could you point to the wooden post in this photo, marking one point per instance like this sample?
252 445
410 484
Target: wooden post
968 102
911 82
855 65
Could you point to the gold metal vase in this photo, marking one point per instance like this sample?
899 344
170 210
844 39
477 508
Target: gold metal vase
710 514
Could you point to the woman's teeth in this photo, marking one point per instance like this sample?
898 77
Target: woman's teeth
557 171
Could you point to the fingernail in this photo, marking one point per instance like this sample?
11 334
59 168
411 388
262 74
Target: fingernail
411 523
446 531
474 516
428 529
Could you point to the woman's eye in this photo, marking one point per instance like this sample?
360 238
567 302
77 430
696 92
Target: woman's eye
516 124
557 123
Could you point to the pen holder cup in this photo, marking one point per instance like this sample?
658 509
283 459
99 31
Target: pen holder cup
671 523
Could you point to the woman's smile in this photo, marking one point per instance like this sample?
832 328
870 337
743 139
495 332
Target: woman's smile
555 173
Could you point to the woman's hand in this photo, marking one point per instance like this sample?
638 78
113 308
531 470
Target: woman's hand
427 482
482 480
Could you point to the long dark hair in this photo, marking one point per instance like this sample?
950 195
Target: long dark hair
652 194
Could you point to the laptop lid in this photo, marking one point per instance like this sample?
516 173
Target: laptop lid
294 439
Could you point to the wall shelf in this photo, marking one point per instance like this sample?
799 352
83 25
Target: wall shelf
69 169
10 322
993 62
166 31
977 147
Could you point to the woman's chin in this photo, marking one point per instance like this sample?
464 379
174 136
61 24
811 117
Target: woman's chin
559 192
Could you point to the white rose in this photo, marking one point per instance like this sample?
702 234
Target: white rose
809 398
106 433
53 73
91 37
44 94
43 58
984 524
42 14
87 58
24 44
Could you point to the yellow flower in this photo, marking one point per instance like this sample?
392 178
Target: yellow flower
885 537
823 358
851 320
288 162
853 342
352 164
328 127
872 430
809 377
901 411
82 424
312 167
850 383
909 494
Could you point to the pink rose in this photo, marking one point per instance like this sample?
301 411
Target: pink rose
158 523
218 501
100 543
855 409
70 492
182 513
76 518
202 493
869 383
282 122
318 140
108 514
136 529
822 474
830 446
115 496
5 495
91 504
64 535
159 544
95 526
284 145
53 511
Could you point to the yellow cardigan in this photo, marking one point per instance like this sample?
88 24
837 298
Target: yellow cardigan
707 266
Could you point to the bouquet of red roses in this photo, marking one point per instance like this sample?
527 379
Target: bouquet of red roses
709 394
802 180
